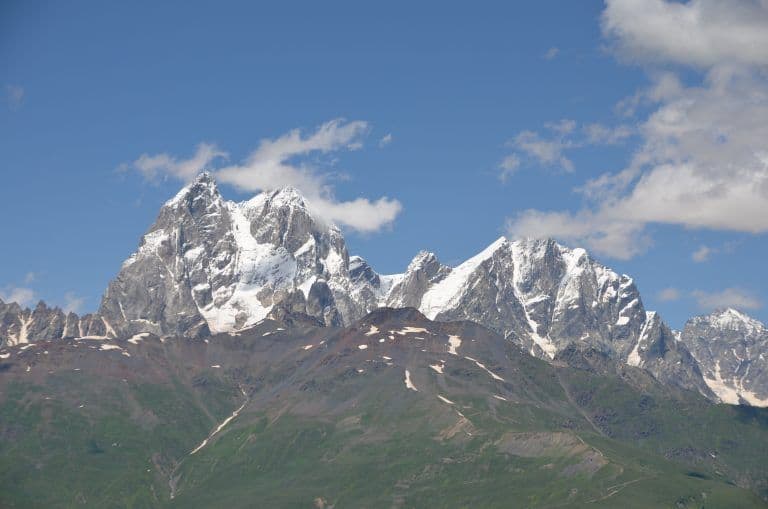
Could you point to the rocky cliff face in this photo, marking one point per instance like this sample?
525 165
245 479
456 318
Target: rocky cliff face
208 265
23 325
546 297
731 350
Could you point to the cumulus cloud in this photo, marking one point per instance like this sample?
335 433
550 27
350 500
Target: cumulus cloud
702 254
14 95
698 32
284 161
72 303
20 295
668 294
703 157
728 298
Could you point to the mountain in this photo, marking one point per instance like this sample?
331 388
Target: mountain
730 348
546 297
208 266
393 410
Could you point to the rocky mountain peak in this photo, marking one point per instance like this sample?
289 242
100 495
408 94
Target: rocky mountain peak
730 348
202 189
730 318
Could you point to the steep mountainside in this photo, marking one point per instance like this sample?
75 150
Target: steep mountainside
731 350
546 297
393 411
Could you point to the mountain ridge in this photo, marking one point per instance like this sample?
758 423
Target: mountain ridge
208 265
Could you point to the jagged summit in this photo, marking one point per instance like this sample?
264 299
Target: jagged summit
731 349
733 319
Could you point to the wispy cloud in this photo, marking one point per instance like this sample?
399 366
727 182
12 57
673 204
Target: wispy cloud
284 161
669 294
21 295
385 140
30 277
14 95
702 254
508 167
728 298
72 303
547 148
165 165
551 53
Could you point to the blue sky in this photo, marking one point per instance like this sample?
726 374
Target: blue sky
473 120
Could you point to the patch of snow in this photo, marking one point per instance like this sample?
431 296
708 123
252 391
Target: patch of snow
373 330
454 342
362 347
307 347
437 367
408 382
410 330
135 339
634 356
221 426
446 293
726 393
482 366
445 400
502 398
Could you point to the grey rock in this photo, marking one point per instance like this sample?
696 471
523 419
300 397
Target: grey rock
731 350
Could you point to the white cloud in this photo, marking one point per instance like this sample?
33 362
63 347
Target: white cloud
668 294
14 95
702 254
385 140
152 166
698 32
703 157
283 161
599 134
546 152
508 166
551 53
610 237
72 303
728 298
548 149
20 295
30 277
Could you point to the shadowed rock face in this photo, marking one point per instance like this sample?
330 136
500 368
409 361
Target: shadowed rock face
208 266
731 350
